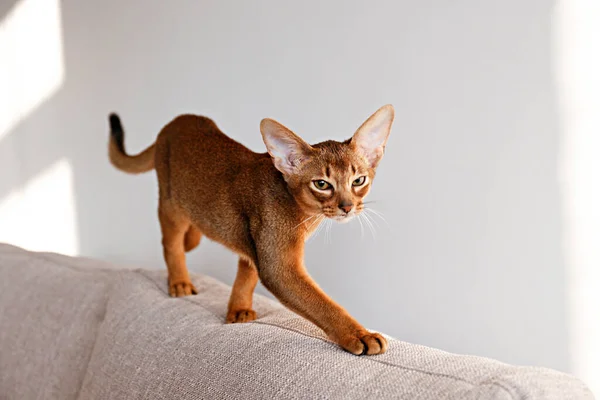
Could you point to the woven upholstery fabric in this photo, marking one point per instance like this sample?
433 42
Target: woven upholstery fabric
130 340
50 311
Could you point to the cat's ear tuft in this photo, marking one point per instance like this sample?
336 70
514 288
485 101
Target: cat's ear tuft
287 149
370 139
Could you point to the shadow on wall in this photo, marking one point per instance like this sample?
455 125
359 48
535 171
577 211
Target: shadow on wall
473 260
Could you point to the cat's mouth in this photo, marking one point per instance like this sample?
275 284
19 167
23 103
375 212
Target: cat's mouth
343 218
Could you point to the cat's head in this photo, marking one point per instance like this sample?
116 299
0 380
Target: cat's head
330 178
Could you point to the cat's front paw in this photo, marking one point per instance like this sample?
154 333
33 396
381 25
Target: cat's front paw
237 316
364 342
181 288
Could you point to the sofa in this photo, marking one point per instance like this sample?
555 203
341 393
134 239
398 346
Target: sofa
76 328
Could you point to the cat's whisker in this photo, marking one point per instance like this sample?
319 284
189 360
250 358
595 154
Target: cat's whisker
373 220
321 223
322 227
316 221
331 232
370 224
378 214
362 228
316 232
361 218
328 231
311 217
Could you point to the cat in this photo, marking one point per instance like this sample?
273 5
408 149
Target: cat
261 206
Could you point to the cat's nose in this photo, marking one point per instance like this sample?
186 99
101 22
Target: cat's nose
346 207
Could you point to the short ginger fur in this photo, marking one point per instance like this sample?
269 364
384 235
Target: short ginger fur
262 206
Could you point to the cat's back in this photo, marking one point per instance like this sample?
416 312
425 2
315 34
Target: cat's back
197 141
198 132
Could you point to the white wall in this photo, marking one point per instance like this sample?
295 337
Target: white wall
472 258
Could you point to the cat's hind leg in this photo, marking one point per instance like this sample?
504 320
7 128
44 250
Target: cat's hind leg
174 226
240 302
192 238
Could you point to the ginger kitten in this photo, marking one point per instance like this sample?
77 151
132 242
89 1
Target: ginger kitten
261 206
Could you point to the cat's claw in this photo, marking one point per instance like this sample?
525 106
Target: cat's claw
238 316
181 288
364 342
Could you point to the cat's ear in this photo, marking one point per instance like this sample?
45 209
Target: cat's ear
287 149
370 139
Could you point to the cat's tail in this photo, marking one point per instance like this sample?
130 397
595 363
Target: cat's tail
137 164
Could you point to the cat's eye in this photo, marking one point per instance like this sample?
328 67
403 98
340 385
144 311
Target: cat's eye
359 181
321 184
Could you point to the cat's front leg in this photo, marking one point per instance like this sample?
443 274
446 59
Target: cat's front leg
240 302
284 274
